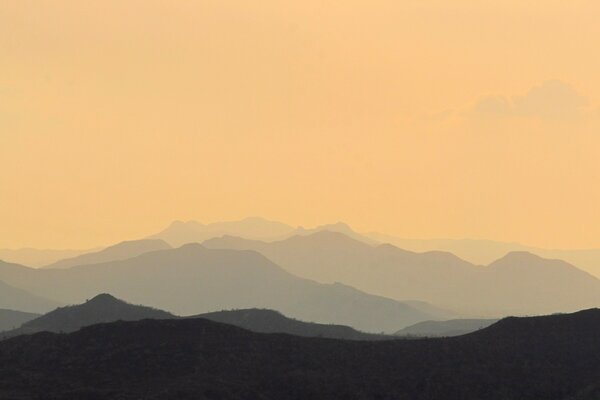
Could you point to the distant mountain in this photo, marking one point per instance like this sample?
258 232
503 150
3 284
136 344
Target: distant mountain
483 252
269 321
10 319
37 258
180 233
193 279
120 251
453 327
339 227
13 298
255 228
100 309
519 283
553 357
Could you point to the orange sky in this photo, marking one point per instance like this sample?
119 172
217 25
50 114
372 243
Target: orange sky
416 118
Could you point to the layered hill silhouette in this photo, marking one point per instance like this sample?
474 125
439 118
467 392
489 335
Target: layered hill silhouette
13 298
269 321
518 283
10 319
254 228
193 279
453 327
180 233
553 357
38 257
120 251
101 308
485 252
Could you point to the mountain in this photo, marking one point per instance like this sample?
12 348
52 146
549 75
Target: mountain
453 327
519 283
37 258
483 252
13 298
339 227
551 358
180 233
102 308
269 321
10 319
120 251
254 228
193 279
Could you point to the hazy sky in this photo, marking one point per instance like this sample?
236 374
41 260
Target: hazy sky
416 118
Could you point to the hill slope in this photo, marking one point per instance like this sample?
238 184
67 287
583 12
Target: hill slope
120 251
102 308
551 358
519 283
10 319
193 279
12 298
37 257
269 321
453 327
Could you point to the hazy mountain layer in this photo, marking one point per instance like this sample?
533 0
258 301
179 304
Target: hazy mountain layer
180 233
12 298
483 252
37 257
10 319
120 251
519 283
453 327
551 358
193 279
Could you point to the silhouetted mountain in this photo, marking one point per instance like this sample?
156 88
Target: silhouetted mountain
453 327
102 308
10 319
180 233
520 283
38 257
269 321
339 227
13 298
550 358
483 252
120 251
193 279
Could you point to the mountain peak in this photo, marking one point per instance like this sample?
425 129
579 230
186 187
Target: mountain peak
104 298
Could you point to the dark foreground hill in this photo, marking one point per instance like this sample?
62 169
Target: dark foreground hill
269 321
551 358
102 308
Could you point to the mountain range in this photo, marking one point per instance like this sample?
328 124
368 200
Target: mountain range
193 279
552 357
105 308
518 283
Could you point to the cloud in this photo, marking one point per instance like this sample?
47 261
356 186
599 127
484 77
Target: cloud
551 100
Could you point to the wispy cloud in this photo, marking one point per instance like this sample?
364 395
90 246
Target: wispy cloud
551 100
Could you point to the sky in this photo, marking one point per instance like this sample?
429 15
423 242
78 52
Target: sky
420 119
